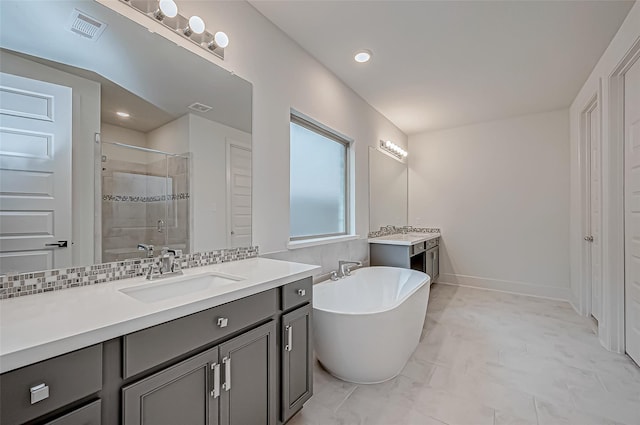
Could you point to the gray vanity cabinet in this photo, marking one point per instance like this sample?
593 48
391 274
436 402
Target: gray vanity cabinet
297 360
231 384
248 384
421 256
180 394
42 388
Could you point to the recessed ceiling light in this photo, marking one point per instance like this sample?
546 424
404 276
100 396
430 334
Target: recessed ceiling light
362 56
122 114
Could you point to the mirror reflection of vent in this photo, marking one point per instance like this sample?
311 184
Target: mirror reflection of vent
84 25
199 107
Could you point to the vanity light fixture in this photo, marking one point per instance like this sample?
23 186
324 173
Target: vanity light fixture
166 8
393 149
122 114
362 56
193 29
196 26
220 39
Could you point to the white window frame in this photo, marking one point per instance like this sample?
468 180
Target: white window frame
312 240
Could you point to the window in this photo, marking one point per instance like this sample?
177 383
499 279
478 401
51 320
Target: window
318 188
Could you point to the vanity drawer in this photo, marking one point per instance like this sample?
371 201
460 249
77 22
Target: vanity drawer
430 244
66 378
158 344
417 248
87 415
296 293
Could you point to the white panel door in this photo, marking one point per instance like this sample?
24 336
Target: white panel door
632 210
35 174
595 216
239 196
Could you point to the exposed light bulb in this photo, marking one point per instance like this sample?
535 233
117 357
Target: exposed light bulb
166 8
221 39
393 149
196 24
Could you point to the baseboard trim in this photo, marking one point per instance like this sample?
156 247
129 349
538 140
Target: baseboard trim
512 287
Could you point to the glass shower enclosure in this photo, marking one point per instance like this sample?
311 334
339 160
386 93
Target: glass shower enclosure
145 200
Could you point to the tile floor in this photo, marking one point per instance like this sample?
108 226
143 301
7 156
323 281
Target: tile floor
491 358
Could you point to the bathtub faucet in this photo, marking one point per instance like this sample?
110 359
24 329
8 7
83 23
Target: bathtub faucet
345 267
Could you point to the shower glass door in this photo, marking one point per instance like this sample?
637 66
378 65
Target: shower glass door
145 200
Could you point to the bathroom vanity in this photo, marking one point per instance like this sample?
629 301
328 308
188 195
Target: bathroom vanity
417 251
235 353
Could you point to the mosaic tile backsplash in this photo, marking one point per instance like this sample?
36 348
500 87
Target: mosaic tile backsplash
18 285
392 230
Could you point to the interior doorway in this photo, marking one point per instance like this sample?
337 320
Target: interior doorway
591 119
632 209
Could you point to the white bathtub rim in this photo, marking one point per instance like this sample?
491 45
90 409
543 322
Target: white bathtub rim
391 307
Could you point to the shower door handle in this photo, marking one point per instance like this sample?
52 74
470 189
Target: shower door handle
160 226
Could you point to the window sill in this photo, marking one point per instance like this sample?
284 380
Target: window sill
321 241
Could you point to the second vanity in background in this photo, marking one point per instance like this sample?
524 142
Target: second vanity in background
416 251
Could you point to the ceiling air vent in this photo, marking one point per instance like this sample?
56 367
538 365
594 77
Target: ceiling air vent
199 107
84 25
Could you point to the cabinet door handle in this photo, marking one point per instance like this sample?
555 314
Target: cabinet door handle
39 393
215 393
289 330
227 373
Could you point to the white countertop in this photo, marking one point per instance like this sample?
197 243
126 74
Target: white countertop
38 327
404 239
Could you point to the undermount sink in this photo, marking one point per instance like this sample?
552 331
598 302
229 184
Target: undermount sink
176 287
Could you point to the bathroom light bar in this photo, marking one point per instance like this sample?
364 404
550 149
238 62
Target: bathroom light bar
393 149
192 29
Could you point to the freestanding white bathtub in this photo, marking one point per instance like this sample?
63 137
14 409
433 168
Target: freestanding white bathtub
367 325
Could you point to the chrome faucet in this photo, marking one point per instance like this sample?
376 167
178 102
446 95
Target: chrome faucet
147 248
166 265
345 267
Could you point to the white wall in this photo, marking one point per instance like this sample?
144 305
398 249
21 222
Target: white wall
113 133
284 76
499 191
172 137
86 122
207 141
611 325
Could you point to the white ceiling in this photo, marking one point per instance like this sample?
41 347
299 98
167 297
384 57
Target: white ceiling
442 64
150 69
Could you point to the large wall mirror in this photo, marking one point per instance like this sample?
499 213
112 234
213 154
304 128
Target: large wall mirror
112 136
388 185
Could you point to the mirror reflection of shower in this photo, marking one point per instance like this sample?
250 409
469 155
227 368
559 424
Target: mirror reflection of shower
145 200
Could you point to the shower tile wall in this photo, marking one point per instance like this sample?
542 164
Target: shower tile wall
133 201
123 218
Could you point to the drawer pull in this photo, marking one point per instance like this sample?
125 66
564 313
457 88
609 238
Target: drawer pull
227 373
215 393
223 322
39 393
289 330
302 292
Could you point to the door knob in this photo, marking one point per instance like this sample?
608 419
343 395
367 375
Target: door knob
588 238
